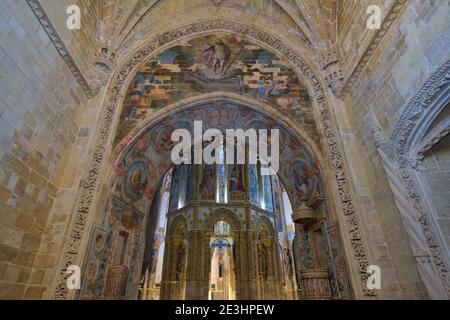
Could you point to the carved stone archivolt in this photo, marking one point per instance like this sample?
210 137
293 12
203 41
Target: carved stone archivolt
396 159
113 104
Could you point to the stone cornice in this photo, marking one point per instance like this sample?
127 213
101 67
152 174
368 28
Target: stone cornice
46 24
379 35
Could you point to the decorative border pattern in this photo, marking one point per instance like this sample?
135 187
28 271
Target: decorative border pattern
40 14
396 150
91 180
390 18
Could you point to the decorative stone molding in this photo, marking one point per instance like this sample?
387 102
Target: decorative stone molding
113 101
390 18
432 265
304 215
45 22
438 83
432 139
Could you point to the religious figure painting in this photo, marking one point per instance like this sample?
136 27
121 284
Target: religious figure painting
237 184
209 64
207 187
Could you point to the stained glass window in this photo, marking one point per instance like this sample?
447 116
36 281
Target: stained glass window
253 178
222 183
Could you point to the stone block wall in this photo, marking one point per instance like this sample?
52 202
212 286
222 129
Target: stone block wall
413 48
435 172
42 111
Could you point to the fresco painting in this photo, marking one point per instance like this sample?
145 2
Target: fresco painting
237 182
190 183
214 63
299 173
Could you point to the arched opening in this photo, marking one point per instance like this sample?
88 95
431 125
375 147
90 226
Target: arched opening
222 284
150 285
143 156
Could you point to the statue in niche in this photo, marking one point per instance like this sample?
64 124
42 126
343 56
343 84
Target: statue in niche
262 260
221 262
287 261
181 254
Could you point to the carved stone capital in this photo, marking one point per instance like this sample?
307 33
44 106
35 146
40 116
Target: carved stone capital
101 70
331 67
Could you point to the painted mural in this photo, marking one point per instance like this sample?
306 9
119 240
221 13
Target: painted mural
237 182
253 179
209 64
140 170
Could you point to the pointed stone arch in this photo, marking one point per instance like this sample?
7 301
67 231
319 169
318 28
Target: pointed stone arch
88 196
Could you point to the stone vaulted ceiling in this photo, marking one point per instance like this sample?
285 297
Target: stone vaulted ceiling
311 20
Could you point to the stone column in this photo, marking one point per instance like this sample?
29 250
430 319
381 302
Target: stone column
246 265
171 288
197 276
274 283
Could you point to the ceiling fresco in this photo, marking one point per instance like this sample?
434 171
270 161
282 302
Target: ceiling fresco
215 63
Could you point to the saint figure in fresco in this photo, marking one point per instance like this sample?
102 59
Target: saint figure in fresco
301 179
217 55
207 186
236 179
138 180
